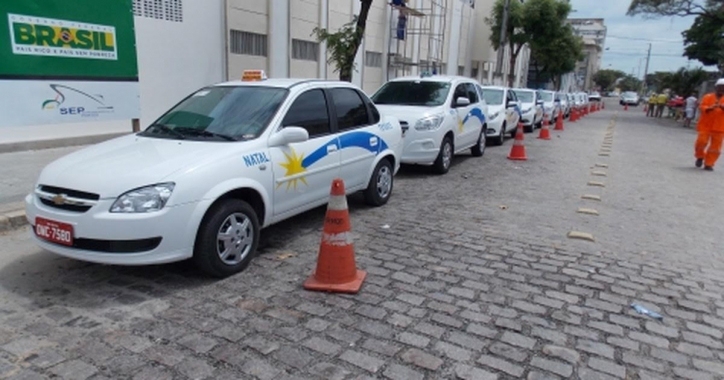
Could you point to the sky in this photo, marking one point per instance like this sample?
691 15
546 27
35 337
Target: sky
628 38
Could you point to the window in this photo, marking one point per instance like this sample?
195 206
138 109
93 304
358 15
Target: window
493 96
305 50
472 94
351 111
460 91
371 107
474 72
242 112
461 70
373 59
525 96
248 43
169 10
309 111
412 93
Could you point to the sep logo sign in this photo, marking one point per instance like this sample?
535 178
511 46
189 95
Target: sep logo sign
61 38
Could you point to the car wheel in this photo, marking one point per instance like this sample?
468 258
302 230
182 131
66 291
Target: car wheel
528 128
444 158
379 189
227 239
479 149
500 138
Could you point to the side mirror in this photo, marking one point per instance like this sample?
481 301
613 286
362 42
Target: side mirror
289 135
512 104
539 102
462 102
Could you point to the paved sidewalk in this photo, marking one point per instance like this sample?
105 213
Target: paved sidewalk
18 139
471 276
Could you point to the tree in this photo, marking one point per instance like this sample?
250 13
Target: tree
555 48
658 8
629 83
343 44
704 41
515 35
685 81
606 78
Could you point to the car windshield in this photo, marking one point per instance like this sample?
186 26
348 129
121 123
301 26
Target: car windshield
629 94
493 96
222 113
546 96
412 93
524 96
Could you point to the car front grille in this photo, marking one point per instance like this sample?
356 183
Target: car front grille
66 199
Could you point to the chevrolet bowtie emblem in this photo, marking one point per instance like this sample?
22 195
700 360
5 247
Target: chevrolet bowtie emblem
59 199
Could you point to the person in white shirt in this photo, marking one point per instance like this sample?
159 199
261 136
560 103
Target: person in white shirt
690 107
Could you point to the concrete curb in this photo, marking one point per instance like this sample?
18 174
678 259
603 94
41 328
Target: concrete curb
57 143
12 220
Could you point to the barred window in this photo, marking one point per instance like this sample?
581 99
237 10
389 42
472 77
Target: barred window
474 72
373 59
305 50
461 70
169 10
247 43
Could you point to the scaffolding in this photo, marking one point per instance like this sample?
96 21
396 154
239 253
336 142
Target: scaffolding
410 30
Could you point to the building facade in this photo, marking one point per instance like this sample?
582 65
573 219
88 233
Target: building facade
593 33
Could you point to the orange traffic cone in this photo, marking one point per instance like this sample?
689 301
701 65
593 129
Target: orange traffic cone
559 123
545 133
336 269
517 152
625 106
572 118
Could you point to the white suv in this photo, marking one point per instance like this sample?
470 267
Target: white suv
204 178
504 112
441 116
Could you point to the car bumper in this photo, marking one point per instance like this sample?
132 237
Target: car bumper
528 119
494 127
122 239
421 148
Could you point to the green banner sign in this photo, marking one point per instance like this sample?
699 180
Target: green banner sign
86 40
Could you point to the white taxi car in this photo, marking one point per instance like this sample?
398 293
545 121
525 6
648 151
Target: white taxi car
530 108
550 107
441 116
504 112
204 178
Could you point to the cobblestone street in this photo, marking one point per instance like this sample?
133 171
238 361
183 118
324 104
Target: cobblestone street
471 275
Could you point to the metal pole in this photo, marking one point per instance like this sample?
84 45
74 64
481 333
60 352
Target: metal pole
501 49
646 70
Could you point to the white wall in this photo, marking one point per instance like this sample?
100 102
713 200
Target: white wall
176 58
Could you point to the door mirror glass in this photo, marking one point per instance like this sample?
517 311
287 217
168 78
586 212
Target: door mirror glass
512 104
462 102
289 135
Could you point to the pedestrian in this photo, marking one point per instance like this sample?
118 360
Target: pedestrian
710 127
652 105
661 101
690 109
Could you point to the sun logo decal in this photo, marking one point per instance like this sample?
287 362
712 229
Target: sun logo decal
294 166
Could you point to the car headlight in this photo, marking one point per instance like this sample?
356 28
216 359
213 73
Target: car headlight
145 199
494 115
527 110
430 123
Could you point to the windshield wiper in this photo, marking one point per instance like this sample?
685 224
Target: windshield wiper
168 130
205 133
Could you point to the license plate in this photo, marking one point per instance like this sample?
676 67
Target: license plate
56 232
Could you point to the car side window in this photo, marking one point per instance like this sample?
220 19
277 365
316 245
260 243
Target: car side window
351 110
374 113
472 94
460 92
310 112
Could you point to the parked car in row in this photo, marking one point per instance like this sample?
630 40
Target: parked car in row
504 112
531 108
441 115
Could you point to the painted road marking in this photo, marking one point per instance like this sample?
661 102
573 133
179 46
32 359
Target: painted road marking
598 173
591 197
588 211
604 154
581 236
596 183
602 165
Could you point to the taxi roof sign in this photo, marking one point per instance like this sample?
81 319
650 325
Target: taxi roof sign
253 75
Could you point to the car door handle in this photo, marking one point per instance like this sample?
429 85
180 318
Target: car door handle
331 148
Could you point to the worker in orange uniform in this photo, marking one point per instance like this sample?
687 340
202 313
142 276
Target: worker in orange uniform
710 127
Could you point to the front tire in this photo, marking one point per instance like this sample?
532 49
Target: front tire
227 239
379 190
500 139
444 158
479 149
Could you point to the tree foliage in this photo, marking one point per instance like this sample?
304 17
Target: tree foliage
684 81
629 83
704 40
659 8
343 44
541 25
515 35
606 78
